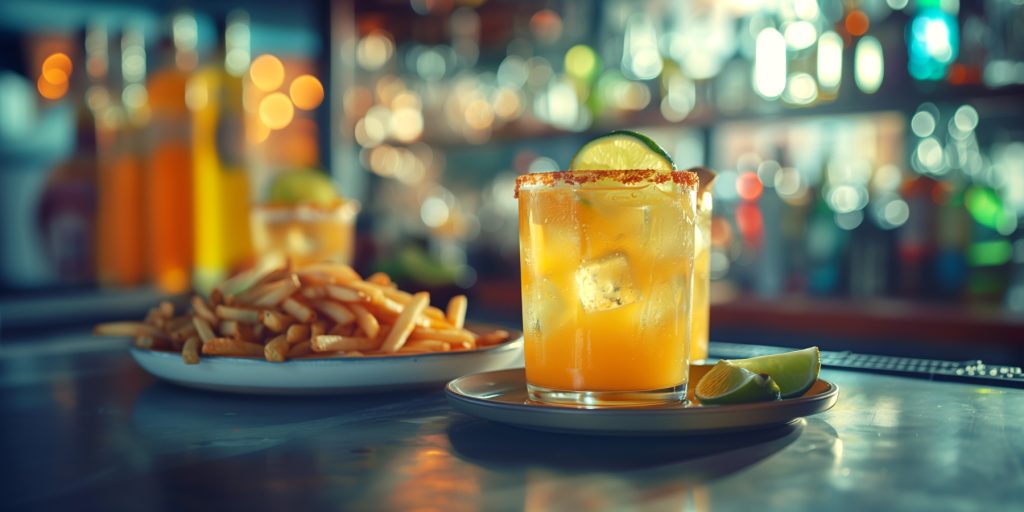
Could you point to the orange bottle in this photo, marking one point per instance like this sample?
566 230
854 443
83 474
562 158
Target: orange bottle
121 251
169 170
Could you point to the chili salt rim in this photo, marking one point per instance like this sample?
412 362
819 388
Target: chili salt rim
622 176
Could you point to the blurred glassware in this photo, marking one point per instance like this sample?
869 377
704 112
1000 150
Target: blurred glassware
67 207
169 173
304 234
121 112
221 184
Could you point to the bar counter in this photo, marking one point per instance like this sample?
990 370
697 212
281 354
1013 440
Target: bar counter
89 430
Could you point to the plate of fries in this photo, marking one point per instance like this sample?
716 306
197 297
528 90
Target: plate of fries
321 328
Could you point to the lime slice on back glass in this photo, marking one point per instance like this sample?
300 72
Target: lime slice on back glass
794 371
302 187
621 149
729 384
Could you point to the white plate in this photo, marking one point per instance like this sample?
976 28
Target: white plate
329 376
501 396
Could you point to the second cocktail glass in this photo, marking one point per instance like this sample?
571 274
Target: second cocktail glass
607 279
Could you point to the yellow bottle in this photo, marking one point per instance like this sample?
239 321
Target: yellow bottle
220 182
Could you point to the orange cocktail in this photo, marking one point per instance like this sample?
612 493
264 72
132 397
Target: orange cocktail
607 276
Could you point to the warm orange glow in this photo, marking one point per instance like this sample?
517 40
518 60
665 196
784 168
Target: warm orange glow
52 91
267 72
57 68
857 23
276 111
307 92
748 186
256 132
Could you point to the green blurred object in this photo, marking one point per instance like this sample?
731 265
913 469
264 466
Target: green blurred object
984 205
412 263
302 187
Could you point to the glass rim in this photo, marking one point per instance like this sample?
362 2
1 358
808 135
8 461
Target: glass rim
623 177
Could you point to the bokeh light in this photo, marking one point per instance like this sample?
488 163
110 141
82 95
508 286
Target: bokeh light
546 26
748 186
306 92
267 72
857 23
51 91
770 64
868 65
57 68
830 61
374 50
581 62
276 111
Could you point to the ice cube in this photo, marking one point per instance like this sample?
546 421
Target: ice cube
606 283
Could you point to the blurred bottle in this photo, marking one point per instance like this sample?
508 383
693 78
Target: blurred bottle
221 188
121 255
169 165
67 208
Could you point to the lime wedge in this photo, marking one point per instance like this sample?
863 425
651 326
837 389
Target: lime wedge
794 371
621 149
728 384
302 187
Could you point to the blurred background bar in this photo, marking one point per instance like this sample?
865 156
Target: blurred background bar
870 152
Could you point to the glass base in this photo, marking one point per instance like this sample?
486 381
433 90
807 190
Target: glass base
598 399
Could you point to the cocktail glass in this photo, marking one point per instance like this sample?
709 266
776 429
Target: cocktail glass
607 262
304 234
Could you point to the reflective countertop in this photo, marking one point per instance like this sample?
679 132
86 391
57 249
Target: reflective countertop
89 430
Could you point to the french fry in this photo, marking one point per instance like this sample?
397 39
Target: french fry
227 328
299 350
203 311
314 292
240 315
335 311
437 316
216 297
346 294
339 273
203 329
449 335
405 322
322 310
167 309
367 322
372 292
125 329
177 323
298 310
344 330
329 343
427 344
380 278
318 328
154 318
275 296
249 332
190 351
275 321
457 311
409 351
184 332
394 294
232 347
493 338
297 333
277 349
